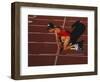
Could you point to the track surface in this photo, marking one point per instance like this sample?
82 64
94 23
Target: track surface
42 47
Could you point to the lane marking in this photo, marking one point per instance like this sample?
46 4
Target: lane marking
70 55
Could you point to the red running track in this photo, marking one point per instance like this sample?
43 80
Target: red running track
42 47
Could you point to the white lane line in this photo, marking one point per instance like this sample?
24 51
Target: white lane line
32 16
43 42
70 55
61 20
49 33
38 33
55 61
40 25
48 43
64 22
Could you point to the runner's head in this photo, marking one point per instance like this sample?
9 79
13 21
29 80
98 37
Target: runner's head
52 27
